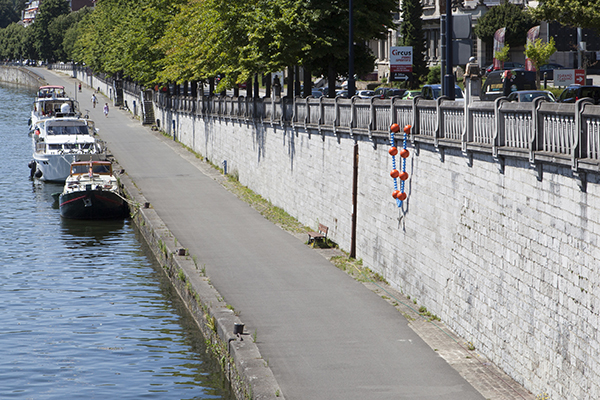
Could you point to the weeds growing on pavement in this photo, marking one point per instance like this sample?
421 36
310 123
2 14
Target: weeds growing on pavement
272 213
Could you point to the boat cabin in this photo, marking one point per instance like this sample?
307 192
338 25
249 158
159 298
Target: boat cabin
51 91
93 167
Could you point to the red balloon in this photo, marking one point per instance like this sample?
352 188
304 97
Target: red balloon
393 151
404 153
407 129
395 128
403 176
395 194
395 173
401 196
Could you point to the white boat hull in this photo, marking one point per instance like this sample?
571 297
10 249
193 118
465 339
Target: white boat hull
54 167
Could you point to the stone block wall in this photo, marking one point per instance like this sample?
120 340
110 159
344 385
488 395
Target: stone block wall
20 75
507 260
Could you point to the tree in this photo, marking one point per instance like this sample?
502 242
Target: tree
72 30
328 25
576 13
411 31
235 39
8 13
49 10
503 54
539 53
509 15
58 29
119 37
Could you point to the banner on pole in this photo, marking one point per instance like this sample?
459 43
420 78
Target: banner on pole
532 35
498 45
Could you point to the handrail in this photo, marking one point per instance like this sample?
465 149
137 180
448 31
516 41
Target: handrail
540 131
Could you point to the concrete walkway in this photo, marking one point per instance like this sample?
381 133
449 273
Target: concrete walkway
323 334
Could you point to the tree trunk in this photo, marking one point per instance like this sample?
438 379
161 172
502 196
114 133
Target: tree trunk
331 79
307 81
290 82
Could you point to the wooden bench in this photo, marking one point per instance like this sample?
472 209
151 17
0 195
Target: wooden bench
318 236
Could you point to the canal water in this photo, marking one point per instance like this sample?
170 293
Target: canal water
85 310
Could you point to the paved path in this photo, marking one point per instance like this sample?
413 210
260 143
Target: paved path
323 334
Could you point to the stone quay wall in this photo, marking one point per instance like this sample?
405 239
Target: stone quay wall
504 252
20 75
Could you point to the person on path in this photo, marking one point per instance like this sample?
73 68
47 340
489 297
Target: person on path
94 100
106 109
80 87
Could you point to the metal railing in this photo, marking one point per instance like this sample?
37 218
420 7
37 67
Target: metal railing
566 132
540 131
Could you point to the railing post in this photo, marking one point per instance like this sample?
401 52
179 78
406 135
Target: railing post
578 139
497 126
352 116
439 129
415 122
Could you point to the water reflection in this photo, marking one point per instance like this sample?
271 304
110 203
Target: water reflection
86 312
90 233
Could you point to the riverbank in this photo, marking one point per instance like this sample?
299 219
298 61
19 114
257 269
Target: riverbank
20 75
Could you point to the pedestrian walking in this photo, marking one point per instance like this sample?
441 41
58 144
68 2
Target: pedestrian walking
80 87
106 109
94 100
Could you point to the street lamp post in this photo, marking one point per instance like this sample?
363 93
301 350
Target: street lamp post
351 83
449 77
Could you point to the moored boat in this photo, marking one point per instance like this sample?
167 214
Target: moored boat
60 141
49 103
92 192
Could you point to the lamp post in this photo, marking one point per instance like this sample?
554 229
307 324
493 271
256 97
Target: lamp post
351 83
449 77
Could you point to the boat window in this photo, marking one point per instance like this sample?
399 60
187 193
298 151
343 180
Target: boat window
80 169
86 146
71 146
101 168
68 130
54 147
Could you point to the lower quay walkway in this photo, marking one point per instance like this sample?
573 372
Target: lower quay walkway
324 335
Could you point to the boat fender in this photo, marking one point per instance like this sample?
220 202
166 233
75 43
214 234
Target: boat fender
32 168
38 174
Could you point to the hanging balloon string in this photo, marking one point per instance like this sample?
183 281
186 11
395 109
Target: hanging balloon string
399 194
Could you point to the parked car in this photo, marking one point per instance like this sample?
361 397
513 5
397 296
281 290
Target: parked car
316 93
548 69
503 83
505 66
432 92
411 94
575 92
386 92
527 96
341 93
365 94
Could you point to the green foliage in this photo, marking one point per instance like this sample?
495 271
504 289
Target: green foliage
16 42
581 13
411 31
120 37
503 54
8 13
539 53
328 22
434 75
507 15
45 45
